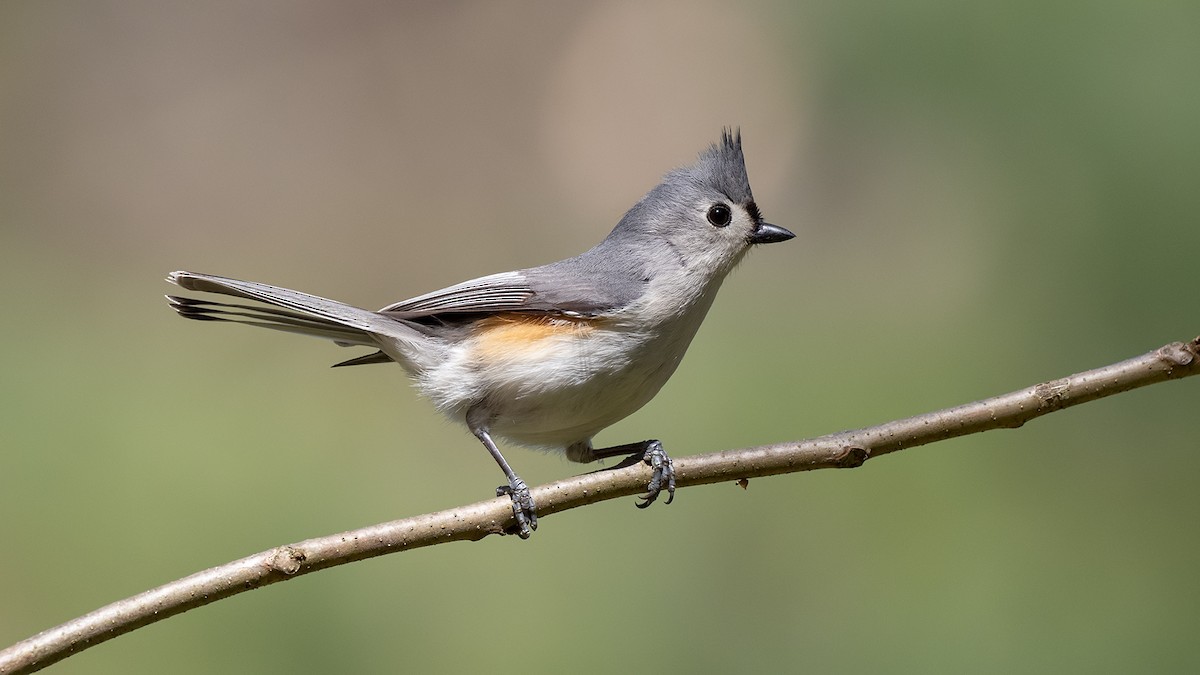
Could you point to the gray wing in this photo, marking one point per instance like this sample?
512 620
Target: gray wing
567 287
495 292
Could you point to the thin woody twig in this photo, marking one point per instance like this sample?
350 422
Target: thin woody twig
475 521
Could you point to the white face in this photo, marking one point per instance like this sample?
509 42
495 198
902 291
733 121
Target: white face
717 235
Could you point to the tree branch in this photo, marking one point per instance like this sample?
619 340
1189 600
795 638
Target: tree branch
475 521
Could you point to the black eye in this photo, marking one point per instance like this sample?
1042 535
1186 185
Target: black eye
719 215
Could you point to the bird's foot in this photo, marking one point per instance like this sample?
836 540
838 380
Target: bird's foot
522 506
663 476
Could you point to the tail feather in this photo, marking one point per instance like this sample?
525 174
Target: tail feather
377 357
266 317
308 305
287 310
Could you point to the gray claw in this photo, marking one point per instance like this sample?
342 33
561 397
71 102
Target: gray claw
664 474
522 506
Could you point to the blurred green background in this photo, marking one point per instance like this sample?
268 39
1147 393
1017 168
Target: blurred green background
985 196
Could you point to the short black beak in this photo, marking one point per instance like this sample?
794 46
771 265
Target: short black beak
766 233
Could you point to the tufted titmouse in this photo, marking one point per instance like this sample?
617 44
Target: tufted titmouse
548 356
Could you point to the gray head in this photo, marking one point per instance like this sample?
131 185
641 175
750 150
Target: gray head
702 215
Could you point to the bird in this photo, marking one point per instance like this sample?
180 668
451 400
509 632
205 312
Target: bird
547 356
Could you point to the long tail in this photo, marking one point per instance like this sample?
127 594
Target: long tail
292 312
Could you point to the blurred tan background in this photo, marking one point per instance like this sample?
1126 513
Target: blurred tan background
984 197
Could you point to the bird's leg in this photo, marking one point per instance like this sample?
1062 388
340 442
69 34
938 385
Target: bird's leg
517 491
651 452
